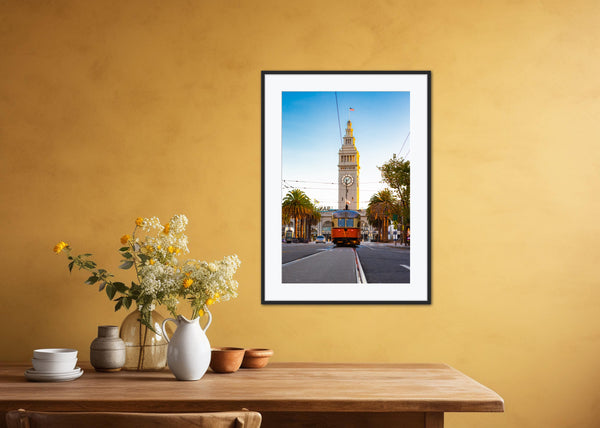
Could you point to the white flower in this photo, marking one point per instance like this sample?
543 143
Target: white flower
178 223
164 280
151 223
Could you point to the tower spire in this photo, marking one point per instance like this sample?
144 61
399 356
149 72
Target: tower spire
348 171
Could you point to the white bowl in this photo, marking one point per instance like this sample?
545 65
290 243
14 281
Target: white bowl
55 354
54 366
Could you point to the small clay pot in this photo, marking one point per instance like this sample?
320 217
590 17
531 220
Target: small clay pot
107 351
226 360
256 358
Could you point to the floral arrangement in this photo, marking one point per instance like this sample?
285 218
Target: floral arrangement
162 279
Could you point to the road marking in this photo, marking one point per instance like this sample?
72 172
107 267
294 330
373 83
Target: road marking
360 274
404 266
305 257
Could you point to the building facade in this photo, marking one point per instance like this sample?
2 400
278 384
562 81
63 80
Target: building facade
348 192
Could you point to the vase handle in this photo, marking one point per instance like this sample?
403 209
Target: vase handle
209 320
164 332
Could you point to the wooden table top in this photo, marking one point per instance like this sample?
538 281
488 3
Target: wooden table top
282 387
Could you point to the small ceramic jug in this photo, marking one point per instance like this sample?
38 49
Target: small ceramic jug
188 353
107 351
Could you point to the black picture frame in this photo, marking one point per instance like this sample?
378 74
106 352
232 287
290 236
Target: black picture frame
275 83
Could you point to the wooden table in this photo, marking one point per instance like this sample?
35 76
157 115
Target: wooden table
286 394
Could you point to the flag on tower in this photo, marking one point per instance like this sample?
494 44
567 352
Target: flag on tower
351 109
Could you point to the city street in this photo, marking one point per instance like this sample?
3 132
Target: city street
370 262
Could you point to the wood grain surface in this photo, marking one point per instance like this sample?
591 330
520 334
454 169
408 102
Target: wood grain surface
279 387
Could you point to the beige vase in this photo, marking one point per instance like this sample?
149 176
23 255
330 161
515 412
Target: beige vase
107 351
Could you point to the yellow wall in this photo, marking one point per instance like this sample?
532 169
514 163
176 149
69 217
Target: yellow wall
111 110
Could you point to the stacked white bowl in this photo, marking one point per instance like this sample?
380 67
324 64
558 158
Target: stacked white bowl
54 360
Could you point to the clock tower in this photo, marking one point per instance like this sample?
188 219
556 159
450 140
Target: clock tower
348 169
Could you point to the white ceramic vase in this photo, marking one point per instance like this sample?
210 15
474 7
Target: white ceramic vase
188 353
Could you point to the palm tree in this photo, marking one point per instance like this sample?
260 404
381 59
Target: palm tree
295 205
382 206
314 217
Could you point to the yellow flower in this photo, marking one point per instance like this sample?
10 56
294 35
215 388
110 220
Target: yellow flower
171 249
60 246
200 313
212 267
210 302
139 221
216 296
152 261
178 250
167 228
187 282
158 247
125 239
149 248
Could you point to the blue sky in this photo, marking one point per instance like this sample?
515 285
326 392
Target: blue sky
311 139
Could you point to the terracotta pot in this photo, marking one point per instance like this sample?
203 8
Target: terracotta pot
256 358
226 360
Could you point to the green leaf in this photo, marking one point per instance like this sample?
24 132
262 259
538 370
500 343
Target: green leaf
92 280
126 264
86 255
102 286
127 302
89 264
127 255
110 291
147 324
118 305
120 287
135 292
71 266
124 249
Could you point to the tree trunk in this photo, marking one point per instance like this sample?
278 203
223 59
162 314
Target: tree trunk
385 229
296 227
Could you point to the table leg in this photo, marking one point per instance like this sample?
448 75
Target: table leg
434 420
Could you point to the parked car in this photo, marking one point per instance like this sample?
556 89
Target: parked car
320 240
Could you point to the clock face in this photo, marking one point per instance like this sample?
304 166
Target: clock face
347 180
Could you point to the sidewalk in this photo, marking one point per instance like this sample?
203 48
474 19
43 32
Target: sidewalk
391 245
399 246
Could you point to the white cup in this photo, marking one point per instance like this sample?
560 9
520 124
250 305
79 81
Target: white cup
55 354
54 366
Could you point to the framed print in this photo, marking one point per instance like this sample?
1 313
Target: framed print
346 187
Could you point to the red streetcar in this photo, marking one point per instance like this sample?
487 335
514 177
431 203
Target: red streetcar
346 227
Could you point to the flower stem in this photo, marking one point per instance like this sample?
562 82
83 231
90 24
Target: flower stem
135 258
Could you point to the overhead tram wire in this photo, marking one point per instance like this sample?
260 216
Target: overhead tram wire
405 140
338 115
308 181
324 182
